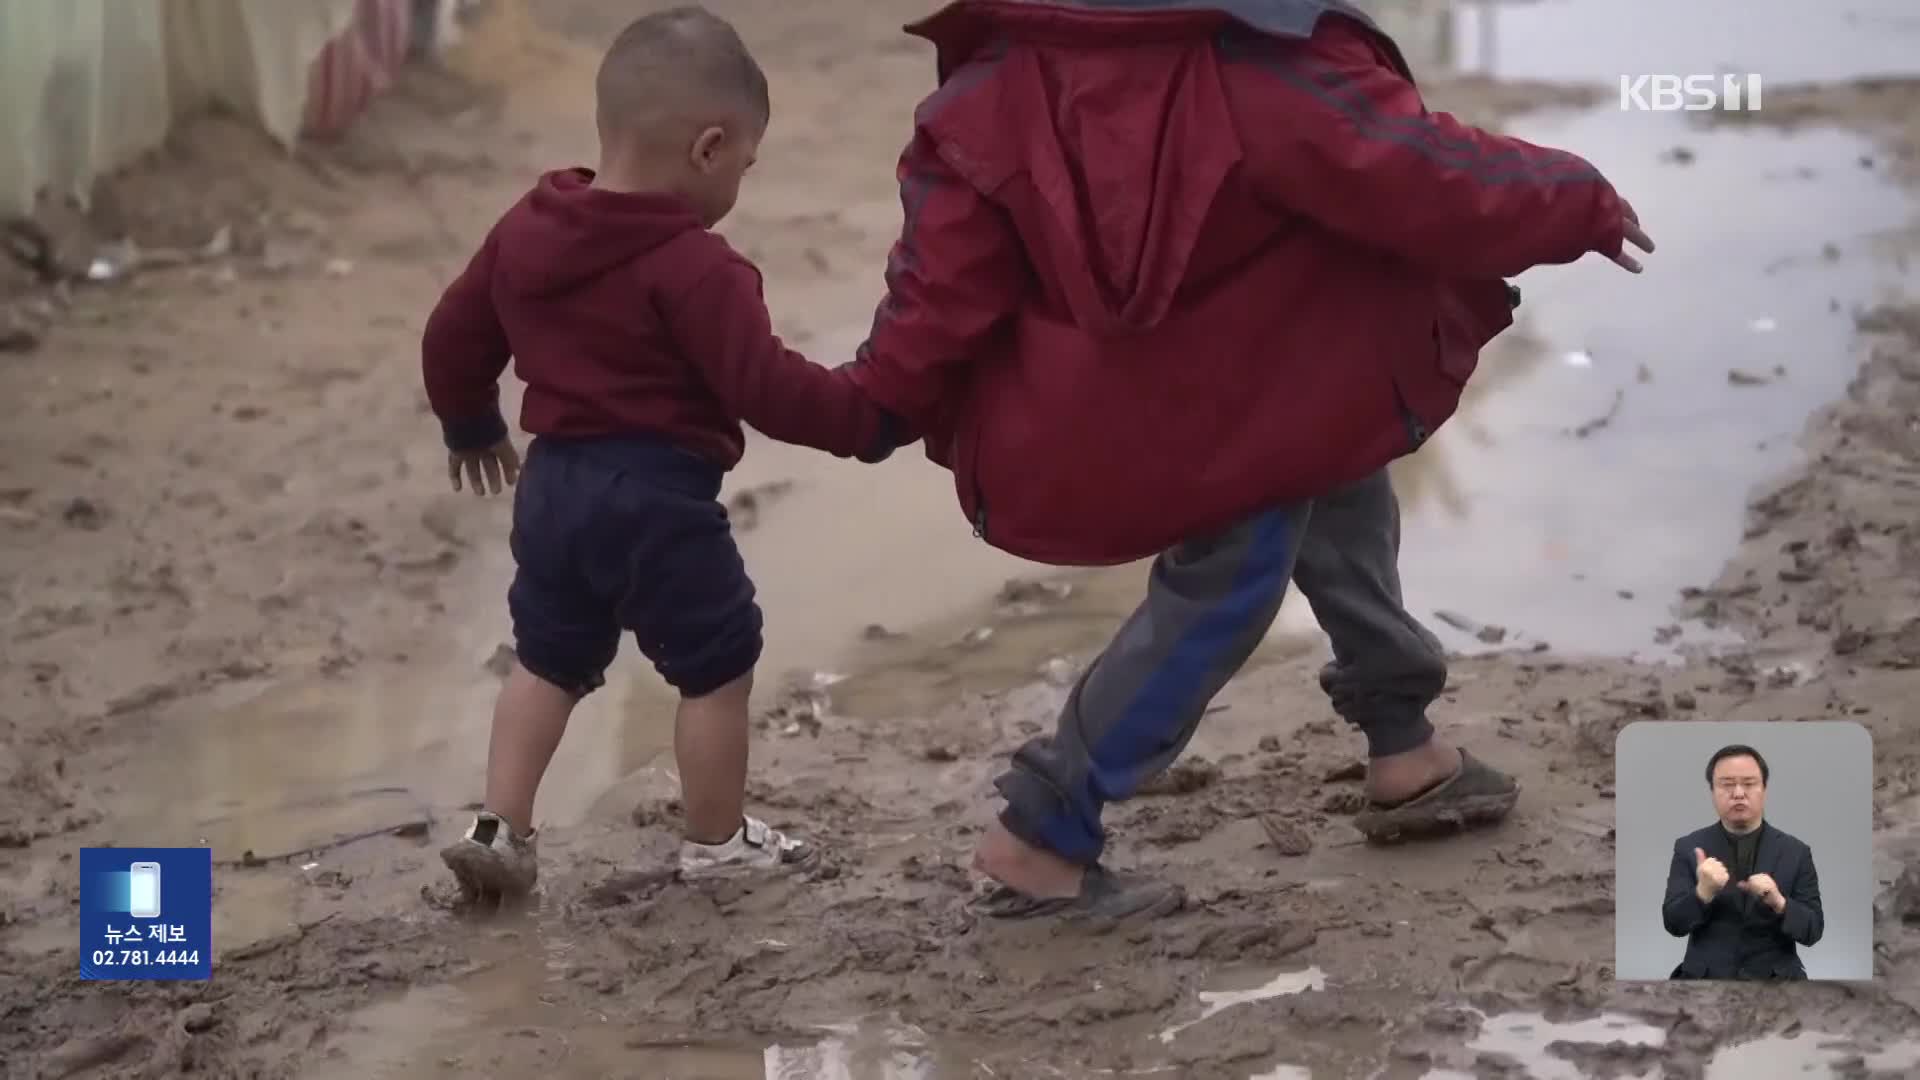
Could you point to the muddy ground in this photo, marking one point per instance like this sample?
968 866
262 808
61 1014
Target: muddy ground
239 610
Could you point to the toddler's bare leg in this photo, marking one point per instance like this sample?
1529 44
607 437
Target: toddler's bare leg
710 744
497 856
528 720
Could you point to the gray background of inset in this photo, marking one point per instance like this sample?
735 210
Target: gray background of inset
1821 790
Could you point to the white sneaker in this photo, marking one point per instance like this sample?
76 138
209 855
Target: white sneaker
491 860
756 848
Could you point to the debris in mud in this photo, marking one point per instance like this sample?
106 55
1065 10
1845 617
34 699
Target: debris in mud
1184 778
1286 839
1679 155
18 339
1604 420
1348 773
1022 591
976 637
747 504
1739 377
801 709
630 888
1485 632
85 514
667 813
1904 904
936 871
1667 635
1059 672
1344 802
876 632
940 754
198 1018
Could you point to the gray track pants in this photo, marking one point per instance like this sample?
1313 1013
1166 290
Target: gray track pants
1209 603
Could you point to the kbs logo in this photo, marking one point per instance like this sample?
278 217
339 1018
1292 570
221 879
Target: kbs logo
1689 93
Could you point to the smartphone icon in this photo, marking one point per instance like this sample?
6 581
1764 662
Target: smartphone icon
143 890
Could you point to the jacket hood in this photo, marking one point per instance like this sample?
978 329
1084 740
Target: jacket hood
1117 214
566 232
964 26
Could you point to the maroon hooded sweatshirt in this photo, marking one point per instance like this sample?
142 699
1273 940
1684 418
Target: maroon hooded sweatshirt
1167 264
624 316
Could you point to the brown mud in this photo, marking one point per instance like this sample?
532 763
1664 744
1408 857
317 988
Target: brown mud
239 610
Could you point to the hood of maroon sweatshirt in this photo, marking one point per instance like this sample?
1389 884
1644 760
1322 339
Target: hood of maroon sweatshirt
566 232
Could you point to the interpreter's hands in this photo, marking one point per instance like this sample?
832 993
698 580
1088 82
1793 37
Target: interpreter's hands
1709 875
1636 236
487 472
1762 886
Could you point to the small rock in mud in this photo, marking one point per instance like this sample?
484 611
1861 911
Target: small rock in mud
936 871
1269 744
198 1018
85 514
1059 672
1679 155
1737 377
976 637
1184 778
940 754
1905 903
1685 702
1351 772
876 632
666 814
1021 591
1344 802
1286 839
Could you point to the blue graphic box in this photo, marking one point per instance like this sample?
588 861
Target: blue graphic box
146 913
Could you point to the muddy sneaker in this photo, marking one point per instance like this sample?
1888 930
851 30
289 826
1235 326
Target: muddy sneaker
491 861
756 848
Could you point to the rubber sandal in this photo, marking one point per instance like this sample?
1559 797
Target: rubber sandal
1103 895
1478 794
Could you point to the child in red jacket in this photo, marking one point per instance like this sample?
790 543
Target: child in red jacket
644 343
1179 279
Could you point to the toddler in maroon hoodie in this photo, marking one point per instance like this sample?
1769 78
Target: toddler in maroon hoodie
644 343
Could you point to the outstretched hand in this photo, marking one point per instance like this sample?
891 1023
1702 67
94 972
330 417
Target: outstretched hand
1635 235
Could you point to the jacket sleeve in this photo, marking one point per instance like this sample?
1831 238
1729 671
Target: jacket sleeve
1333 132
463 352
1682 912
720 320
1802 919
954 275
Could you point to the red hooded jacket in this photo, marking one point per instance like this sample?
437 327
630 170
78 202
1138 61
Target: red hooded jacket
624 316
1166 265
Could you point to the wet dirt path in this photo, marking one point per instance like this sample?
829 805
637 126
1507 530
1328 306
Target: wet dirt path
328 627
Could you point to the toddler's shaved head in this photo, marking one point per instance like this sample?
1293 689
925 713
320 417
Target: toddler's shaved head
673 72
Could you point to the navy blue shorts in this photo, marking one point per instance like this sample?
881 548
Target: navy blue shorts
615 535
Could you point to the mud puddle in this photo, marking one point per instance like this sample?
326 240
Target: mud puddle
1612 466
1604 457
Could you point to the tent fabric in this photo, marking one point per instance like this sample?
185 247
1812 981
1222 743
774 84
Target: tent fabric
87 86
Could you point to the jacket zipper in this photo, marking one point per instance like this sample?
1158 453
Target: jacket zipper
979 492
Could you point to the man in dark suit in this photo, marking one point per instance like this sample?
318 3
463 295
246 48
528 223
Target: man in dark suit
1748 931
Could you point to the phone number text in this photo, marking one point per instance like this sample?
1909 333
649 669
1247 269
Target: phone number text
144 957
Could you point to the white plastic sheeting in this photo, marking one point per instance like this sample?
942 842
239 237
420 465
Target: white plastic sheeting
87 86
